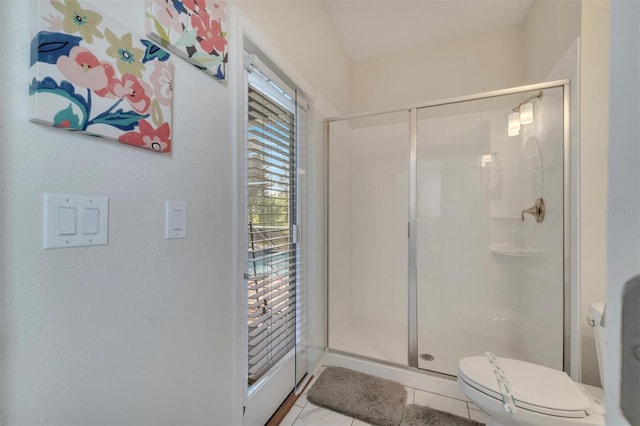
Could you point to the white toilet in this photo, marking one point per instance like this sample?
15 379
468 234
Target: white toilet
534 394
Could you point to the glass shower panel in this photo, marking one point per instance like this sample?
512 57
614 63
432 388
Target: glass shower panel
486 279
368 210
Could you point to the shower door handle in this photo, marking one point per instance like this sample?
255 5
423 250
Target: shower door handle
537 211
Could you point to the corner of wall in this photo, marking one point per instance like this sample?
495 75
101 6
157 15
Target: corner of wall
272 24
550 28
594 131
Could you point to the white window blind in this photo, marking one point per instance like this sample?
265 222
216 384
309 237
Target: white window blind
272 252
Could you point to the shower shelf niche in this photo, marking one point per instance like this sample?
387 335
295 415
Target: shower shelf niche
506 249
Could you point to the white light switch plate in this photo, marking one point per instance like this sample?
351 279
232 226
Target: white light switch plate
175 220
75 221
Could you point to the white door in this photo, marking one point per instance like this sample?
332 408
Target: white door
273 266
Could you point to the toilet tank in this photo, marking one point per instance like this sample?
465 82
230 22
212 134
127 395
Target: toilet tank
596 311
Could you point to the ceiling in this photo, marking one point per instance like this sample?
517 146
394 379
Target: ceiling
374 28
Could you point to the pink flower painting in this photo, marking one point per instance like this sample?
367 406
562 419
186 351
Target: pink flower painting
193 30
84 69
136 92
147 137
89 74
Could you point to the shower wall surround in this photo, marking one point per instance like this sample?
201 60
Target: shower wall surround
486 280
368 236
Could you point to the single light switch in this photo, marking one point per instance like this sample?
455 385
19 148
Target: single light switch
66 220
75 221
91 221
176 220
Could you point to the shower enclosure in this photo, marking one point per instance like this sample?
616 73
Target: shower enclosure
449 231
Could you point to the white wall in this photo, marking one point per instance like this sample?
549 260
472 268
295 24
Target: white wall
341 271
549 29
489 61
305 34
135 332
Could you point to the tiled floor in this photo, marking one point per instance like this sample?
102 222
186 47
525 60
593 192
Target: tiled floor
306 413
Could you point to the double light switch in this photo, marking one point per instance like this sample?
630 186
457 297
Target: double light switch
75 221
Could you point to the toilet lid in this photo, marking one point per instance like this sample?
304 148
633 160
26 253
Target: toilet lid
534 387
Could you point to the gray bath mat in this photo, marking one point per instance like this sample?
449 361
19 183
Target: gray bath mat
375 401
417 415
370 399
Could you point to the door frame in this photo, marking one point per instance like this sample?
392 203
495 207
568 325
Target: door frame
266 395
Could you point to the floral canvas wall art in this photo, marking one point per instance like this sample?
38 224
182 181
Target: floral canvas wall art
193 30
90 74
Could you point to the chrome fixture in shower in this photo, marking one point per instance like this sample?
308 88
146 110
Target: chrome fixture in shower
522 114
536 211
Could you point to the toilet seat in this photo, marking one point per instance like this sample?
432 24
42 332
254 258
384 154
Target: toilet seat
534 387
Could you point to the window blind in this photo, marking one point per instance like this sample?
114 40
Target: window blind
271 277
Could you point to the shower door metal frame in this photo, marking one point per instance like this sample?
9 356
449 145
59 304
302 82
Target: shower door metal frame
412 359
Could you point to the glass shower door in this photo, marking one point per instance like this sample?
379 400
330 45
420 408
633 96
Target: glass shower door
486 279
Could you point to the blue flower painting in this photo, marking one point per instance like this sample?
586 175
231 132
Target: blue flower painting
89 74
